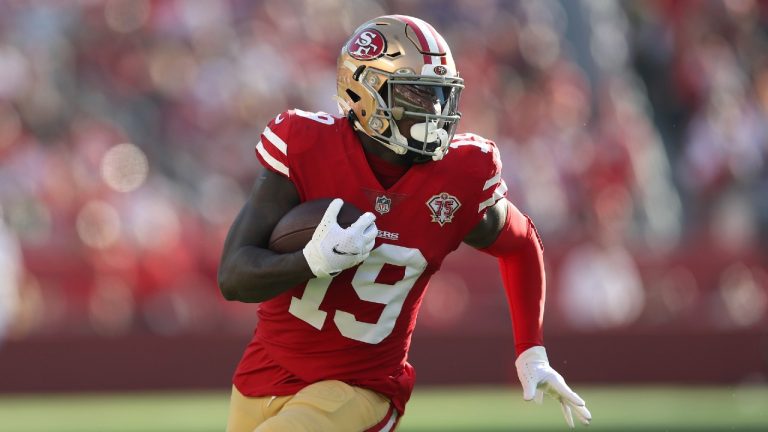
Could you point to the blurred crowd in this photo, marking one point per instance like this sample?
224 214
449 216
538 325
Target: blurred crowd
634 133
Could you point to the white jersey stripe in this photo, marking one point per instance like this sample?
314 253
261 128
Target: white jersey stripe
271 161
276 141
497 195
483 146
492 181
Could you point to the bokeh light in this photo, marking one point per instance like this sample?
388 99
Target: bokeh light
124 167
744 294
539 45
14 72
98 224
154 223
172 68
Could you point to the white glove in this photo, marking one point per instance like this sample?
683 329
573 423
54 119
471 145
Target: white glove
538 378
333 248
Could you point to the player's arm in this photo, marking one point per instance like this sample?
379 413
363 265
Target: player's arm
248 271
509 235
488 229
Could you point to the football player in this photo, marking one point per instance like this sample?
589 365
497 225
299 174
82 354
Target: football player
335 319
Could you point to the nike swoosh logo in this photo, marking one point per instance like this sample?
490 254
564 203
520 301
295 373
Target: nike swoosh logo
279 118
338 252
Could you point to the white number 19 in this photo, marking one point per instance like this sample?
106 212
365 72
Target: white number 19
307 308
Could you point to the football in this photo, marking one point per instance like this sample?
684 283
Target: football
295 229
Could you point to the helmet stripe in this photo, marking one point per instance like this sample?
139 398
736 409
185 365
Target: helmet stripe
427 39
439 42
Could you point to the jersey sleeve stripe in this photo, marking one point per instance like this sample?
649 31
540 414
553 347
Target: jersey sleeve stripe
483 146
492 181
271 161
498 194
276 141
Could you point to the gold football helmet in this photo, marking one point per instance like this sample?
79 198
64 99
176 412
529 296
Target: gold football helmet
394 68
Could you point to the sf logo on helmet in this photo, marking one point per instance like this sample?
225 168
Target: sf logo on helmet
367 44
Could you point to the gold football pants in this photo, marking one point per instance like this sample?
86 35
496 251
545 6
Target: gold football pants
322 406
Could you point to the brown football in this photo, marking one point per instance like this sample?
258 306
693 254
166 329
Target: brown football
295 229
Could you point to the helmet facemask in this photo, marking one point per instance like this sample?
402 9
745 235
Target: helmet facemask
430 103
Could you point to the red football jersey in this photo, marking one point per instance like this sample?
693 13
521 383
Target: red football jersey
357 326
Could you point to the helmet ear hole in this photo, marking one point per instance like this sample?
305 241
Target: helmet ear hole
358 71
352 95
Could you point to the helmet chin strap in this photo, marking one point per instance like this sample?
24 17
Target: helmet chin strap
418 132
442 149
432 133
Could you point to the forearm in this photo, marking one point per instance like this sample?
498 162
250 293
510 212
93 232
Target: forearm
521 260
253 274
524 284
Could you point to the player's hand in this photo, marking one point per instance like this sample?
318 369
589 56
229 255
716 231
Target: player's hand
333 248
538 378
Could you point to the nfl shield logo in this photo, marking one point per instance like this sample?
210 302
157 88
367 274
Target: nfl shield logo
383 204
443 207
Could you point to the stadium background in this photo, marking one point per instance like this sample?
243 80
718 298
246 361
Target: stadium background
635 133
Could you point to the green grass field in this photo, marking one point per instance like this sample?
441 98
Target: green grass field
438 409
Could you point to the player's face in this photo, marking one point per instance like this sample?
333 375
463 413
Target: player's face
417 98
421 99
